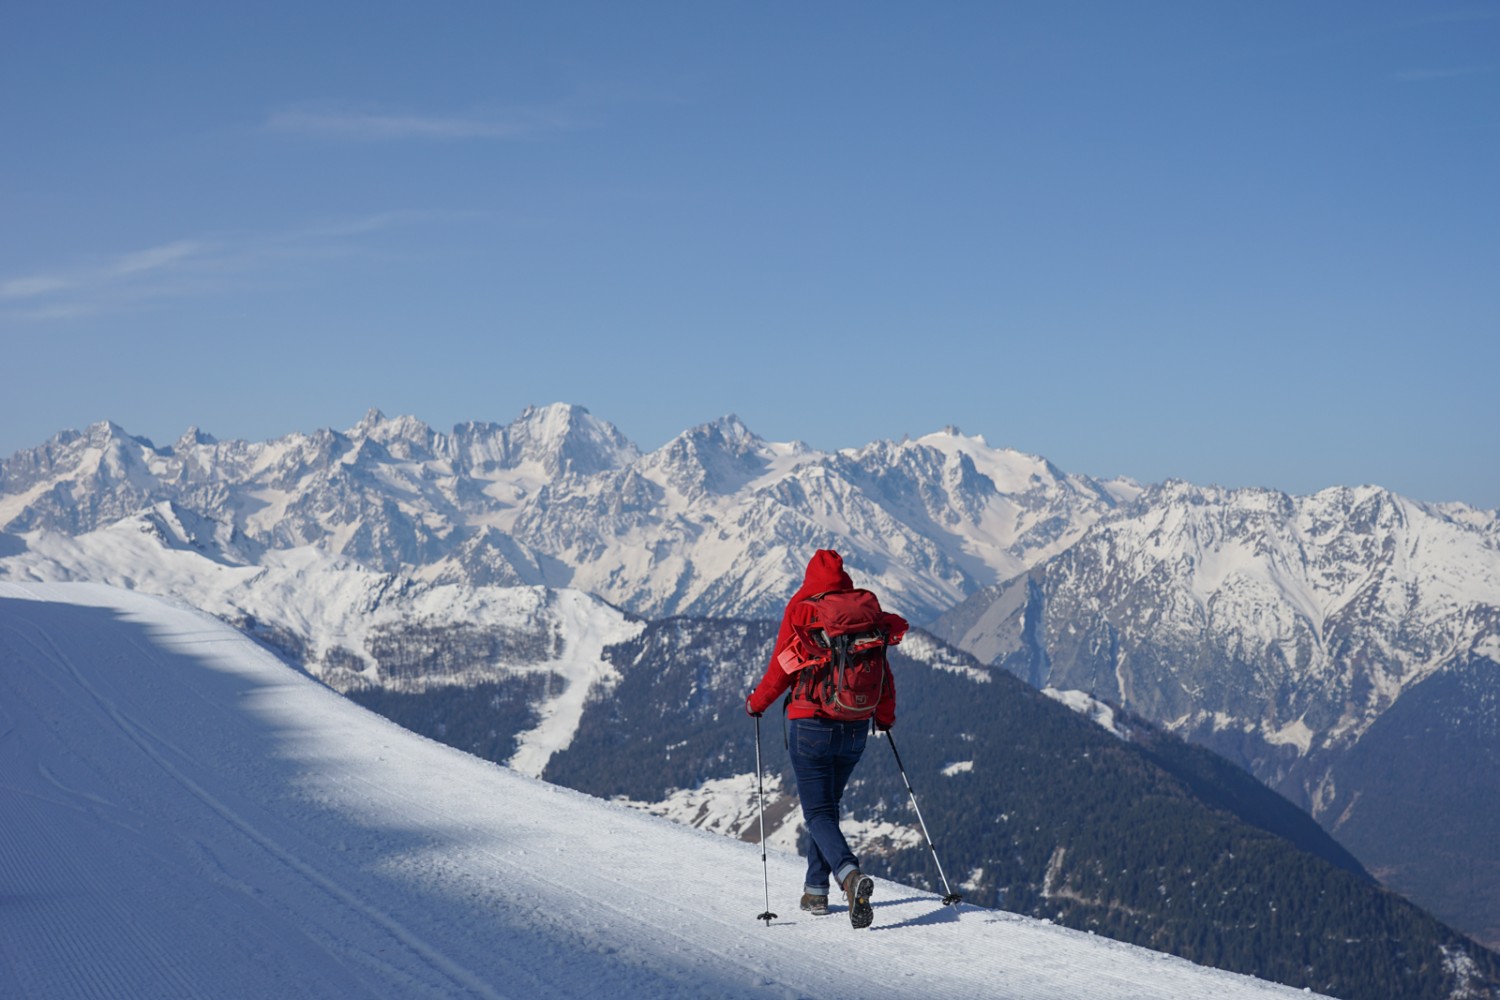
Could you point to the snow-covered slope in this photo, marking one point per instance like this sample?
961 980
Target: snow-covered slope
185 816
352 626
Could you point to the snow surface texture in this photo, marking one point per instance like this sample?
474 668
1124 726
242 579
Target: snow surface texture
182 815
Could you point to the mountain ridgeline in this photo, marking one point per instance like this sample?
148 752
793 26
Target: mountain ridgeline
715 522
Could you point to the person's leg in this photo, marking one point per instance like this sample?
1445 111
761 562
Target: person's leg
847 746
821 778
818 871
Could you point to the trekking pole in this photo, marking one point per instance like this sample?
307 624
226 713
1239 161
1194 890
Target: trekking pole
760 798
952 897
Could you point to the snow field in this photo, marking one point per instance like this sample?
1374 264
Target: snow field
182 815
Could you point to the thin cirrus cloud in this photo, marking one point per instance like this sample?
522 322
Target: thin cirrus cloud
137 263
32 286
156 258
95 286
185 268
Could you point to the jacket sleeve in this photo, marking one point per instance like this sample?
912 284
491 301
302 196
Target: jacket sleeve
771 687
885 710
776 680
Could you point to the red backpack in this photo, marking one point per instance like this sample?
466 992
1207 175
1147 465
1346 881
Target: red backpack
839 639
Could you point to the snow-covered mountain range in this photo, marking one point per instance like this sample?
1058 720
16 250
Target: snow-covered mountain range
715 522
1282 631
1315 613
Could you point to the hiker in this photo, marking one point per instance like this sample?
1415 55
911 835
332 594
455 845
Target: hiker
826 740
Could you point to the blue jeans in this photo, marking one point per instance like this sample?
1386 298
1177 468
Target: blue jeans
823 754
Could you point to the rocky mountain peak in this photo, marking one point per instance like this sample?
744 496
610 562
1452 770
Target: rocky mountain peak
404 437
568 440
719 457
192 438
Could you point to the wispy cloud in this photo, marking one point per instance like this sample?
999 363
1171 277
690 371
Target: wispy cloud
186 267
82 288
156 258
31 286
365 125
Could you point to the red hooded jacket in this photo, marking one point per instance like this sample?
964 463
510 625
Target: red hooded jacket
825 572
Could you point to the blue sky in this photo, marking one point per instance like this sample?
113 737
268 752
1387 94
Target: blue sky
1253 244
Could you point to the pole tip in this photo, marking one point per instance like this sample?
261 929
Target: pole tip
768 916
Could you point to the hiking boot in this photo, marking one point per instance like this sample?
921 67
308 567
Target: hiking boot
816 905
858 888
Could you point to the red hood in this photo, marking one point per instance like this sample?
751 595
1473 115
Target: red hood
825 572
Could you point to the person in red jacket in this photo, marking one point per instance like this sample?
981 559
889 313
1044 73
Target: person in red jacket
823 753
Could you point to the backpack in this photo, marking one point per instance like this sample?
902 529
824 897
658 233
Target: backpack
838 645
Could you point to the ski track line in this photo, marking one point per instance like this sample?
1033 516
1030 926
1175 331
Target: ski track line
74 793
142 737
